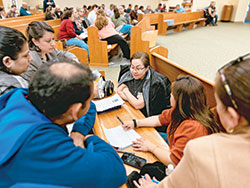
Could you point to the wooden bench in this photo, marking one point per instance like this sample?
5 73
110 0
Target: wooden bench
179 20
143 37
99 50
24 20
161 63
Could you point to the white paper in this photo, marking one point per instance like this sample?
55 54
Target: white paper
108 103
120 138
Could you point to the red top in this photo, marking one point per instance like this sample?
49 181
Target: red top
67 30
187 130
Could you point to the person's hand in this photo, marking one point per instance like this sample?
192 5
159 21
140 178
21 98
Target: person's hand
128 125
142 182
142 144
78 37
78 139
95 91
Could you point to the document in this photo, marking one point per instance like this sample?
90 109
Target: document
118 137
109 103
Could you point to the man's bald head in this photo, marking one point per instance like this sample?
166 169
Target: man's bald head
55 87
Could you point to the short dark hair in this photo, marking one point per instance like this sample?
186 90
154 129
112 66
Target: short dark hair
36 30
11 44
12 6
1 8
52 93
67 14
143 56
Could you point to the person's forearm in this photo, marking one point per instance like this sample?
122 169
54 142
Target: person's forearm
136 103
152 121
163 154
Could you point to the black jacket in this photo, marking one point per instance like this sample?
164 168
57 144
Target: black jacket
159 91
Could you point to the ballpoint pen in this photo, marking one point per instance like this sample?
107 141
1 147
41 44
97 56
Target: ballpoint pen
119 119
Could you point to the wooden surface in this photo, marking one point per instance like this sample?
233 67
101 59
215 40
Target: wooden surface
163 65
189 18
226 13
126 112
143 37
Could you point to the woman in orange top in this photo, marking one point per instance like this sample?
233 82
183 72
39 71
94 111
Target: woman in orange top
188 118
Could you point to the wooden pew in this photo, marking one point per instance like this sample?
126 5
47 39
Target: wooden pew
98 50
161 63
143 36
180 19
26 20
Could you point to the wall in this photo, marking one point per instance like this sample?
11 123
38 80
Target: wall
239 7
239 10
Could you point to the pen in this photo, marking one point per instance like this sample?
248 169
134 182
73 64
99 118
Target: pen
157 182
119 119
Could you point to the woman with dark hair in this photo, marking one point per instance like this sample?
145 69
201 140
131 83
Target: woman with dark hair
107 32
189 118
67 31
219 160
42 47
14 59
120 22
144 88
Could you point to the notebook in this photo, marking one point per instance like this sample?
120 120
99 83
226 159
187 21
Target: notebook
108 104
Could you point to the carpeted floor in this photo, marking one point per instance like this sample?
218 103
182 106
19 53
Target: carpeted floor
201 50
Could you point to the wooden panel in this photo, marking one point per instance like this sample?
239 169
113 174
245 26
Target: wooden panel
170 69
98 52
81 54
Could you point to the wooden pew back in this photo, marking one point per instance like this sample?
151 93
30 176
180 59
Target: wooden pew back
143 37
163 65
98 52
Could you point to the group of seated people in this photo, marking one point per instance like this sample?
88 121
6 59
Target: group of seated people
38 150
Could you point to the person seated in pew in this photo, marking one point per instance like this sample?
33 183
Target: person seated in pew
2 15
50 14
133 15
107 32
121 23
82 18
48 3
210 14
58 12
123 13
140 10
42 48
37 147
179 9
148 10
144 88
67 31
12 13
158 9
92 14
189 118
219 160
14 59
24 10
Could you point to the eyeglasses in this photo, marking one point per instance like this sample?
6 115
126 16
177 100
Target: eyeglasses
224 80
136 69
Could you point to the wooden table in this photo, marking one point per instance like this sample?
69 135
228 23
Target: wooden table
127 112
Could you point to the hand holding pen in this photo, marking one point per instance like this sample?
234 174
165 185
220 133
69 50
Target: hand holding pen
142 182
127 125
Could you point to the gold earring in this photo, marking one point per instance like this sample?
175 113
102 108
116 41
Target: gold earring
230 130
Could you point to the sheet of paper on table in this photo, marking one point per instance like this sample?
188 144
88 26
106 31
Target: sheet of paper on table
120 138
